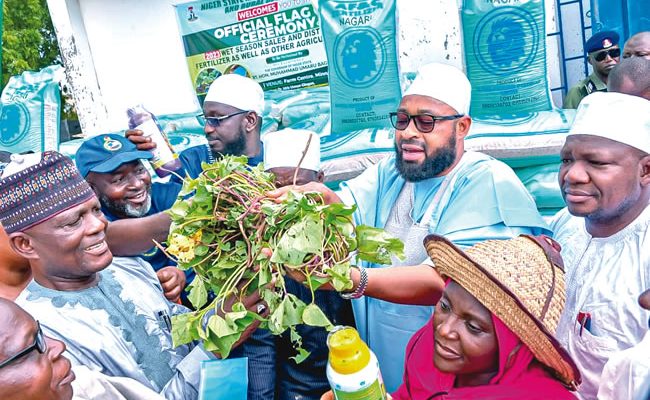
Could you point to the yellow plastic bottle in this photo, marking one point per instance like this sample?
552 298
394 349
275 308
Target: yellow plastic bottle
352 369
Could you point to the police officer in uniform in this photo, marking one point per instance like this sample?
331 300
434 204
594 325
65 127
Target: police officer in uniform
603 54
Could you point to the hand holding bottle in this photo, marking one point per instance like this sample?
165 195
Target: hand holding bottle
164 160
142 142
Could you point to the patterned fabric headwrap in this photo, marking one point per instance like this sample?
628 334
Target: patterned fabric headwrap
33 192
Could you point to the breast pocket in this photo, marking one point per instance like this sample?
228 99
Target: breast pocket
595 344
614 327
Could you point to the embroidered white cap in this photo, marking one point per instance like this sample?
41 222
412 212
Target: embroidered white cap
284 148
445 83
237 91
615 116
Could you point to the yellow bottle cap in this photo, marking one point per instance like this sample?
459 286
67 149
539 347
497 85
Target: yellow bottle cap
348 353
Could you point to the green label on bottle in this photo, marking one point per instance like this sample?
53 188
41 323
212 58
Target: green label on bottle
376 391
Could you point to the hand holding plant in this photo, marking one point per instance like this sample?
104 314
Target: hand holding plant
224 234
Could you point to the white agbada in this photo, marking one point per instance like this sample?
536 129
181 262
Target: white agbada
627 374
605 277
93 385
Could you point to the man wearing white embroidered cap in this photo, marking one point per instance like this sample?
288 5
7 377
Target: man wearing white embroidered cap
430 185
605 232
232 116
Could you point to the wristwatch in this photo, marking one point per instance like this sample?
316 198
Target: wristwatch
361 288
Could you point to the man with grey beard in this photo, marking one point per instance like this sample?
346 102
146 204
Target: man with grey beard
113 167
431 185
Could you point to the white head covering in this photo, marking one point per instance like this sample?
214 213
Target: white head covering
237 91
445 83
20 162
615 116
284 148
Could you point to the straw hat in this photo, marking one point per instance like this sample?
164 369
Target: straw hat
521 281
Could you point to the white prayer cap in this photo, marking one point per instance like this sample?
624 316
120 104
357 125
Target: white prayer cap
615 116
237 91
445 83
284 148
20 162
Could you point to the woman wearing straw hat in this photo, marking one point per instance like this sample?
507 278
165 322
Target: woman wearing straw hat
490 336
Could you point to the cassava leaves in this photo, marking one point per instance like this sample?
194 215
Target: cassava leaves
220 232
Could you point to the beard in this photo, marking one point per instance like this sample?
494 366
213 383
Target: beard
603 217
127 209
432 165
235 148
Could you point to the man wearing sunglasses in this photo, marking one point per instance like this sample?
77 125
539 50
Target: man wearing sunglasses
430 185
232 117
603 53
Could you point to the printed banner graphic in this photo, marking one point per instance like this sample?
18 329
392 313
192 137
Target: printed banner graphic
277 43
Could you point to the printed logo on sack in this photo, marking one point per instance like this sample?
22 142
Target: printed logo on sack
506 40
354 8
360 56
14 123
178 140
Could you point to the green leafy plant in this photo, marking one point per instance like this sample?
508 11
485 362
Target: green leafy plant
221 230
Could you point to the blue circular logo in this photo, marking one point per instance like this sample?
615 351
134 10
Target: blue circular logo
14 123
360 56
506 40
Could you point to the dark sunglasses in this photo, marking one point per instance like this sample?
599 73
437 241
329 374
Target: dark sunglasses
613 53
39 345
216 121
423 122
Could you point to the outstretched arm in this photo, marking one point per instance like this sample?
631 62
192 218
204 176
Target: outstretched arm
416 285
133 236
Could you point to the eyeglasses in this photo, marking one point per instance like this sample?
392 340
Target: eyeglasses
39 345
423 122
613 53
216 121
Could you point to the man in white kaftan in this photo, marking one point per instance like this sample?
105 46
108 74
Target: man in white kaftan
110 312
605 233
430 185
479 199
120 327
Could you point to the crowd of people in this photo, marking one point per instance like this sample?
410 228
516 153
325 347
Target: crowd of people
490 301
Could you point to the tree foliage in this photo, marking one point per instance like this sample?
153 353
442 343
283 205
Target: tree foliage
28 38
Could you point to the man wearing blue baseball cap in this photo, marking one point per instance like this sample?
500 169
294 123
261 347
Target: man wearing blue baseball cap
113 168
603 53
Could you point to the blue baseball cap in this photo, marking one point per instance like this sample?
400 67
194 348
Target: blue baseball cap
601 41
106 153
